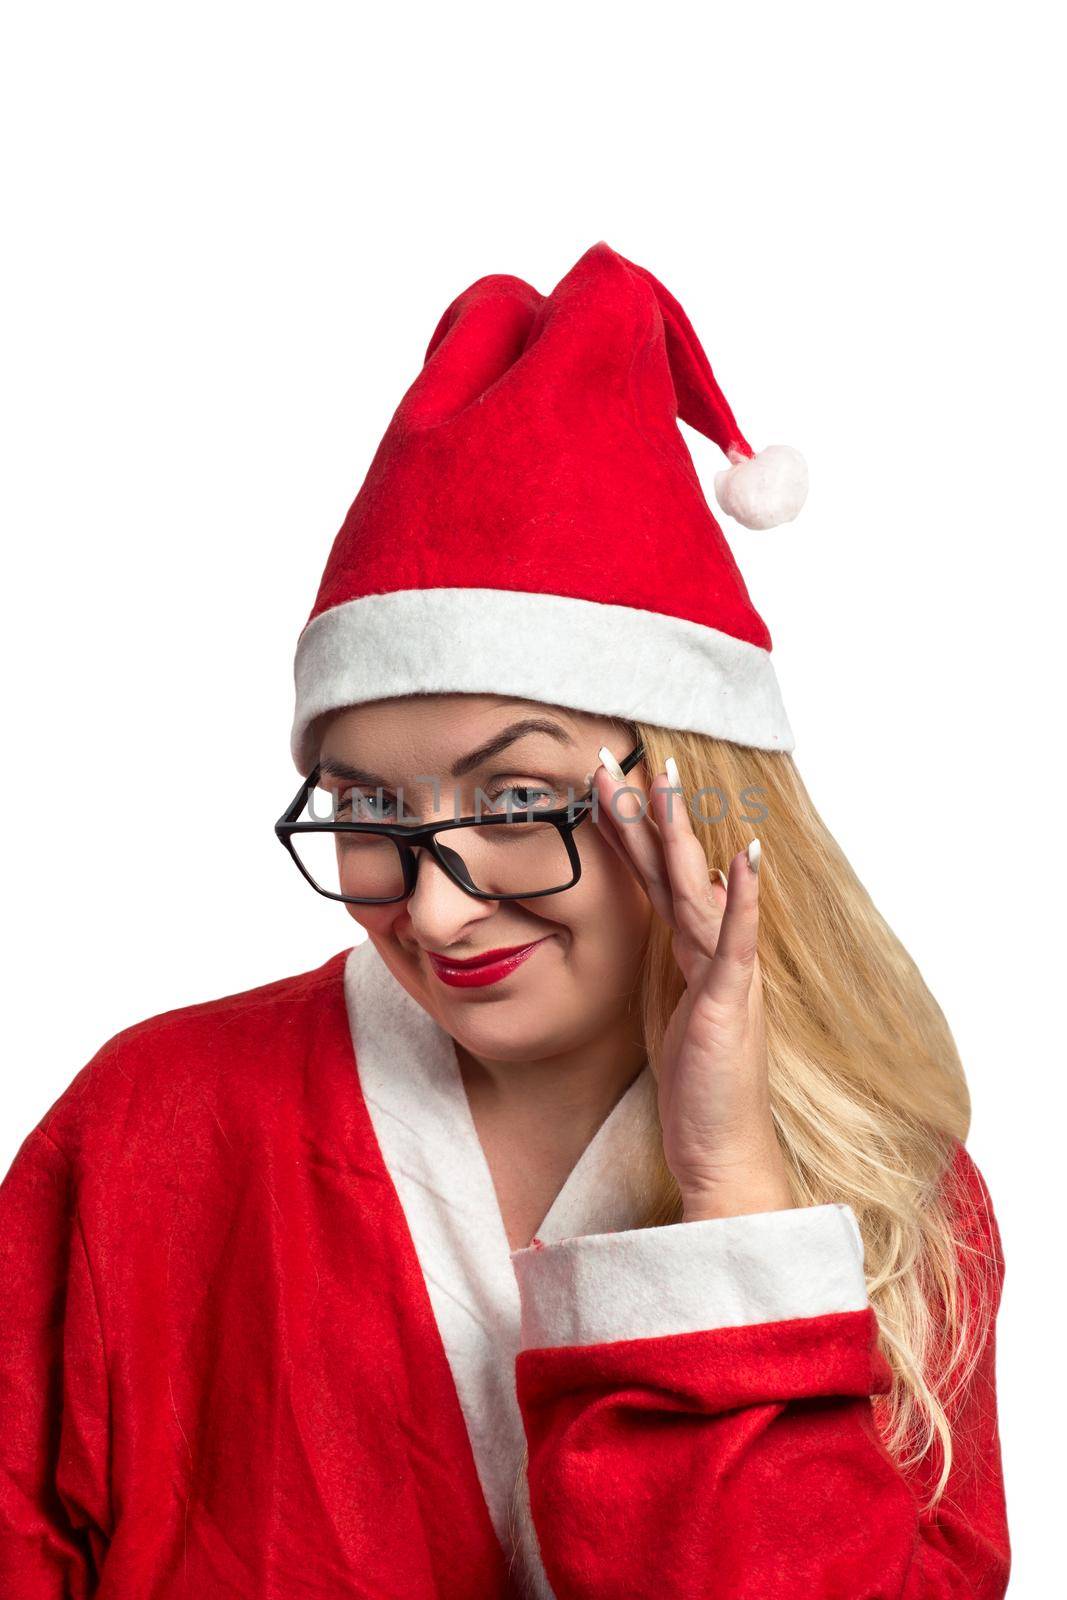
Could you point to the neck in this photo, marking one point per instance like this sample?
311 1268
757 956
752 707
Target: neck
559 1099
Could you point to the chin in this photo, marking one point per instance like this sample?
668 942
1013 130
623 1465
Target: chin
507 1029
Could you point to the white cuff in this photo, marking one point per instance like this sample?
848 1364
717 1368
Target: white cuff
723 1272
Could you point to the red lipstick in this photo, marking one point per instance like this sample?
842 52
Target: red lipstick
476 971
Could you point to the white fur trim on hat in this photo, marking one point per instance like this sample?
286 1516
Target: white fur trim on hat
615 661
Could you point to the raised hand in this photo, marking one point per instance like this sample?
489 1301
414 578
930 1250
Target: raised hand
714 1102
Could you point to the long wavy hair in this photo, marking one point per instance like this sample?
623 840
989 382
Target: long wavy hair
867 1089
868 1093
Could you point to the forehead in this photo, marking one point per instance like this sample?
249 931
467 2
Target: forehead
435 731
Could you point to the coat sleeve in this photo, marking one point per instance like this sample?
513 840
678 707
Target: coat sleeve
53 1386
698 1408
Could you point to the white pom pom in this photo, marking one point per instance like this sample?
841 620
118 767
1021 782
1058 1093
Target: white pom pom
766 489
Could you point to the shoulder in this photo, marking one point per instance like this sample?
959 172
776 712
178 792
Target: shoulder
967 1194
235 1046
968 1203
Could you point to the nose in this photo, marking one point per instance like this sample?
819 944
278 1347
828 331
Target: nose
439 909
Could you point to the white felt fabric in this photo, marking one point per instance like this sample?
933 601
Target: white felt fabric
764 490
410 1078
618 661
724 1272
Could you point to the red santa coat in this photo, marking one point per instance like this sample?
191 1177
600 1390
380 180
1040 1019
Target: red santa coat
263 1336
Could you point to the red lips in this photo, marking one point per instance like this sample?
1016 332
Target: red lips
475 971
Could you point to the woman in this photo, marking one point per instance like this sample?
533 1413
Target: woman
600 1224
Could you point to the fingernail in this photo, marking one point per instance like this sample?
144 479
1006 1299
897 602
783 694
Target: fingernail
753 853
610 762
723 879
670 767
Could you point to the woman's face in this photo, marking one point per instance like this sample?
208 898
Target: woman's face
576 983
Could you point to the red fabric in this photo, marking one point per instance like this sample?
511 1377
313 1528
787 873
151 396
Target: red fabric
220 1374
538 450
219 1370
746 1463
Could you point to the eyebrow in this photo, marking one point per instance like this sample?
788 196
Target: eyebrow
475 758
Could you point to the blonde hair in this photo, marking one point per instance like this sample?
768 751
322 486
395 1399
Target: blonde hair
868 1092
867 1088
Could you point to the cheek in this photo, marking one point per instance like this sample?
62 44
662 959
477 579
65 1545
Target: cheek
377 924
608 907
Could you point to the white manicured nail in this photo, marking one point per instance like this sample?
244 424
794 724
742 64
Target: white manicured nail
610 762
723 879
754 852
670 767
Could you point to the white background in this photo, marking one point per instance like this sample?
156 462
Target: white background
230 233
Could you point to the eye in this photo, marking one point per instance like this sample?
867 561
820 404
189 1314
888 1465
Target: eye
523 797
355 805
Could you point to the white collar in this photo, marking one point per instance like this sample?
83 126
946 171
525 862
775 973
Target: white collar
410 1078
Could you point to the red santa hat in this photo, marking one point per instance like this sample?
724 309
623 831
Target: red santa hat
532 523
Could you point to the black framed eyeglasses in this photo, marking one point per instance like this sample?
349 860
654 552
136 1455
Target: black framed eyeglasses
518 854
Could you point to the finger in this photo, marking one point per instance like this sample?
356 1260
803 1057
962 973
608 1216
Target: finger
611 838
755 990
641 864
735 955
626 815
698 893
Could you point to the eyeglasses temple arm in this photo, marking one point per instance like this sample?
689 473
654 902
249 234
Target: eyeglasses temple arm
299 800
